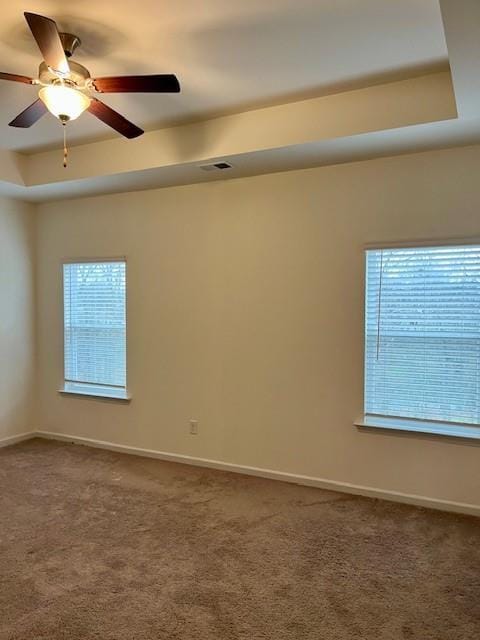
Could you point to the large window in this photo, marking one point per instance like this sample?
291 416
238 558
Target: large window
95 328
422 353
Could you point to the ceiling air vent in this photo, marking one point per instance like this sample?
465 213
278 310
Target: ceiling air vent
216 166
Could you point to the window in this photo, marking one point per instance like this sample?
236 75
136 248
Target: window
95 328
422 351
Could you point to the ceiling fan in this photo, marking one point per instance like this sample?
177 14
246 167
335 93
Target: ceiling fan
66 87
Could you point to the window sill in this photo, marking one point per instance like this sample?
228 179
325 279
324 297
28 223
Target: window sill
471 432
92 392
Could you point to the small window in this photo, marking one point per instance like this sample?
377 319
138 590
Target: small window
95 328
422 352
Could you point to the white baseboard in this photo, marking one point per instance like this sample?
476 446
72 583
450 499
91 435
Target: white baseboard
6 442
331 485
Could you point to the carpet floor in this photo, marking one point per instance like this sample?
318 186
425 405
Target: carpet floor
100 545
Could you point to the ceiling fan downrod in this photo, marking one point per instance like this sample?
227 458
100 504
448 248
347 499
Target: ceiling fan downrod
70 42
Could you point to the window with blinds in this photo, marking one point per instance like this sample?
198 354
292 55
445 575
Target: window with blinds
422 353
95 328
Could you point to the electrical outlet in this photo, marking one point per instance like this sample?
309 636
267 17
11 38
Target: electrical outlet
193 427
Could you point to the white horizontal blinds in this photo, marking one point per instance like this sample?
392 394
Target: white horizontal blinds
95 323
422 357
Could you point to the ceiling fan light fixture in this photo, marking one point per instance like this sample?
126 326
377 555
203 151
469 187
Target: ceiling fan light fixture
66 85
65 103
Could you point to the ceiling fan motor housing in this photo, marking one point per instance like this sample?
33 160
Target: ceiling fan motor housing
78 75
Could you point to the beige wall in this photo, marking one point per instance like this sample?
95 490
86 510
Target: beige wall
245 312
17 353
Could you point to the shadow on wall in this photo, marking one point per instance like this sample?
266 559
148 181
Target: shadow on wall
189 143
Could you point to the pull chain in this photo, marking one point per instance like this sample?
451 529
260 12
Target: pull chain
65 151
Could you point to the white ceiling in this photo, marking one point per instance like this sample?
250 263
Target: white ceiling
229 56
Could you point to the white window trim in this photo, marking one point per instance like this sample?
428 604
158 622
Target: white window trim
414 426
93 391
418 426
95 394
425 242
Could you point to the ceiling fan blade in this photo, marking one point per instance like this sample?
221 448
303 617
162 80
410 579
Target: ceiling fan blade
160 83
16 78
46 34
107 115
30 115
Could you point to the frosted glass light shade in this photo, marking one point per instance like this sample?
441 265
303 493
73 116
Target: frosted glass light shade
64 102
